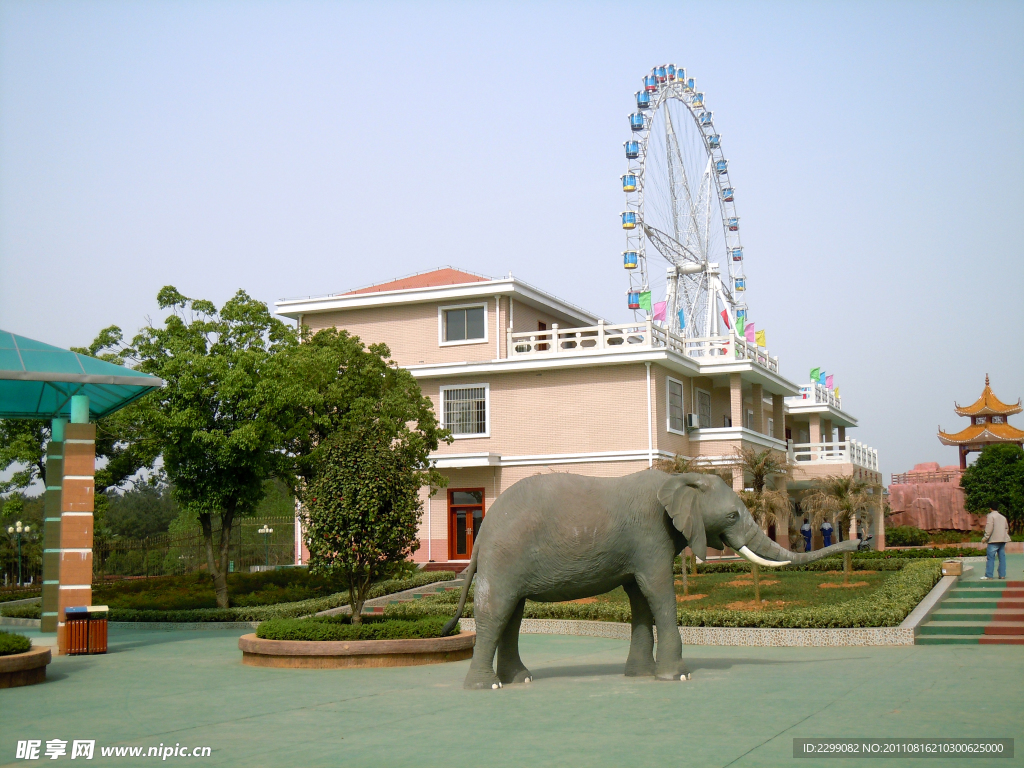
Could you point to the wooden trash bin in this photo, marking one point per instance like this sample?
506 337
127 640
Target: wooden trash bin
86 628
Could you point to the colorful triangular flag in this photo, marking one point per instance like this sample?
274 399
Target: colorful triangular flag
828 381
741 322
725 318
760 339
659 310
748 332
682 320
822 378
815 374
645 300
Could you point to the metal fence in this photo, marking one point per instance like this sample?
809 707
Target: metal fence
171 554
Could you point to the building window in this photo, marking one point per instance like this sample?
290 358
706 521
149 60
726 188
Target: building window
704 409
979 419
749 419
676 421
771 427
726 421
997 419
464 410
463 324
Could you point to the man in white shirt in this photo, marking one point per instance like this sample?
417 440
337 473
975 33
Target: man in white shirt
997 533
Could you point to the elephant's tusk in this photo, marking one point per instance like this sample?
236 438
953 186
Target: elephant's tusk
745 551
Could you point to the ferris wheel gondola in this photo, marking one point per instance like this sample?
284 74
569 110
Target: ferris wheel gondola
681 204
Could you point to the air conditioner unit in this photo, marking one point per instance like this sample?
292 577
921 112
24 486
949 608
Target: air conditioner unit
692 421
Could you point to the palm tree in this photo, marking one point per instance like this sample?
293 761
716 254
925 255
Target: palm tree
766 505
844 499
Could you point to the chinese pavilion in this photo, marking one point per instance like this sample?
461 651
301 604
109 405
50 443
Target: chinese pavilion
988 425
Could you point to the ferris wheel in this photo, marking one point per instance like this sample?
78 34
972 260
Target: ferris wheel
681 210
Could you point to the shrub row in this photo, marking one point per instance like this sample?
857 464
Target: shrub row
255 612
927 552
11 643
825 564
886 607
335 628
18 594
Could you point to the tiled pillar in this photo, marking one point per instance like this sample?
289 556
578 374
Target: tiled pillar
815 427
779 415
842 434
826 430
76 522
758 395
736 399
51 526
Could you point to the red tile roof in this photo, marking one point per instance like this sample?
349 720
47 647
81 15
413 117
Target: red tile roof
443 276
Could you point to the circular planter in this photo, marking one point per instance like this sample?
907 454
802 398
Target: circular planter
336 654
26 668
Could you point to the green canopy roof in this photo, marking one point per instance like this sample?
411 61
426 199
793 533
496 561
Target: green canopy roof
37 381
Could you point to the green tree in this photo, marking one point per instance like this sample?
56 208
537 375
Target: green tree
363 439
996 480
843 499
766 505
219 419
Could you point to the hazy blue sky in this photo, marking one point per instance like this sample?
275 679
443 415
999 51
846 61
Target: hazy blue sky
304 148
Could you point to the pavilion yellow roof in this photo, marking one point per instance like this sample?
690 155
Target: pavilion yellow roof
983 433
988 405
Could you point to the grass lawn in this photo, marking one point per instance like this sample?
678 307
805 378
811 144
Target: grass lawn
779 589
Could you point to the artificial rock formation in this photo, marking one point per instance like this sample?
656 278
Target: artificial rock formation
930 497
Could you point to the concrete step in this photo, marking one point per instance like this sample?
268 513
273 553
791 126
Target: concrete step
953 628
947 640
1000 640
1005 628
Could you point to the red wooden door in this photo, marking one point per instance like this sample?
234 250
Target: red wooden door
465 513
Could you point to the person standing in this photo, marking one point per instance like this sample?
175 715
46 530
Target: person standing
805 529
997 533
826 533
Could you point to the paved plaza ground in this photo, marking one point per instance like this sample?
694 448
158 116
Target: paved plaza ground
743 707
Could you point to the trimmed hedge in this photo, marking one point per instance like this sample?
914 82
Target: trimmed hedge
255 612
18 594
11 643
888 606
906 536
825 564
926 552
333 628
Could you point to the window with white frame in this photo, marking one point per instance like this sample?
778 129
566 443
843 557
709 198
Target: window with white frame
463 324
749 419
676 421
464 410
704 409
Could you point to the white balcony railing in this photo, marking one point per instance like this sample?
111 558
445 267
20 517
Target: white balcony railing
604 338
845 452
818 393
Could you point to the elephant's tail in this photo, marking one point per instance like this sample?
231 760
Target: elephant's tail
467 580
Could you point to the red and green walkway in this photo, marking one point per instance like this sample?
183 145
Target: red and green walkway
978 613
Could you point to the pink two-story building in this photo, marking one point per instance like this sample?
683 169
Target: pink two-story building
530 384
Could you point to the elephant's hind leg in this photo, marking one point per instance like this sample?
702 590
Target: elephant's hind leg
641 643
510 667
492 613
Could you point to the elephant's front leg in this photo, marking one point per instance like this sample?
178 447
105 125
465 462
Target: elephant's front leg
660 592
641 642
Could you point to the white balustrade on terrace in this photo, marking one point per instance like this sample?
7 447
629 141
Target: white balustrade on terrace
819 393
844 452
630 337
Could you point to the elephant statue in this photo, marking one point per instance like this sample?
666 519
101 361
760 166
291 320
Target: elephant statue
560 537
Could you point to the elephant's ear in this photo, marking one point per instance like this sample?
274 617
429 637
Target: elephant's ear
683 499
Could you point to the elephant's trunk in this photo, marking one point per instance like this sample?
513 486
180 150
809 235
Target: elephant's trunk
759 549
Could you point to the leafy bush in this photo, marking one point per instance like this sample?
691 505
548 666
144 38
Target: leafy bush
32 611
250 613
906 536
11 643
340 628
916 554
888 606
825 564
6 595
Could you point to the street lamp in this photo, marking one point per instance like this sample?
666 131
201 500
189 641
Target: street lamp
266 531
15 531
